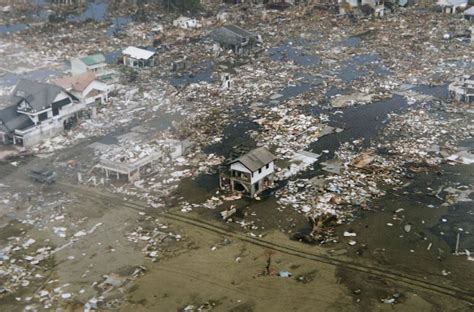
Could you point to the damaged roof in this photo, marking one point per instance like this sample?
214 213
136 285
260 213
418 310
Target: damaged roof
38 95
10 119
77 82
231 34
255 159
469 11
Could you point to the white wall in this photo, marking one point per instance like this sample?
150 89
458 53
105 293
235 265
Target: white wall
258 176
239 167
77 66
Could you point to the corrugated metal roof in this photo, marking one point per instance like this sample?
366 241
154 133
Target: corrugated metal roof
255 159
90 60
137 53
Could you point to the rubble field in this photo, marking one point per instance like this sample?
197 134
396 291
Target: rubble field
370 205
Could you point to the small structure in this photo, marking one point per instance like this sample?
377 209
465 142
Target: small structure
362 7
68 2
130 160
231 37
95 64
469 15
37 111
185 22
252 172
452 6
462 89
87 89
226 80
138 58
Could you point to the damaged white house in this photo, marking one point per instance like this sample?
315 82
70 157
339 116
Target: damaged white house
452 6
138 58
462 89
37 111
251 173
362 7
86 88
185 22
91 63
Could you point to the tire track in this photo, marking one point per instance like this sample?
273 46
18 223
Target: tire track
399 277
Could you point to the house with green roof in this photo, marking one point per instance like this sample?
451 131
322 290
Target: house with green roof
90 63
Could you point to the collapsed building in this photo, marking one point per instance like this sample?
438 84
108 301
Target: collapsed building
231 37
462 89
362 7
37 111
452 6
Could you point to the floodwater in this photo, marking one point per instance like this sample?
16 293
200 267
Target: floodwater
43 74
201 73
11 28
360 65
351 42
117 25
359 122
96 10
288 51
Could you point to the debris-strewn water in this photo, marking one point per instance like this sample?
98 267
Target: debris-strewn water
117 25
351 42
288 51
359 123
203 74
11 28
42 74
360 65
96 10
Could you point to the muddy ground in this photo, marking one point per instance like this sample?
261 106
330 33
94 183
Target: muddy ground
74 246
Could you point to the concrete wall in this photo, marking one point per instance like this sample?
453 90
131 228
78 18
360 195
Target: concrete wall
42 132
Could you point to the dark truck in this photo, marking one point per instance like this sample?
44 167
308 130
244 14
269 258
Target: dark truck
43 175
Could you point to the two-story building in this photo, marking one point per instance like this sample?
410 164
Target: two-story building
90 63
252 172
37 111
86 88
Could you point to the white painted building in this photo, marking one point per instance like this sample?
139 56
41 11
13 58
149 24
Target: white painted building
252 172
87 89
91 63
452 6
378 6
37 112
186 22
462 89
138 58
